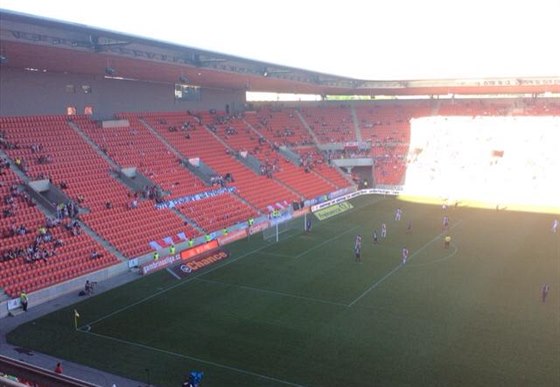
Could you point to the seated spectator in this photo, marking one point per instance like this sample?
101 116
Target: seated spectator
21 230
95 255
52 222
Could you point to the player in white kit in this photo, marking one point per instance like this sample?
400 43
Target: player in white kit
404 255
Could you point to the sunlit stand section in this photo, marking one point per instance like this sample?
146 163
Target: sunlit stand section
492 162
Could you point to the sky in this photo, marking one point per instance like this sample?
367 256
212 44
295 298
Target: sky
363 39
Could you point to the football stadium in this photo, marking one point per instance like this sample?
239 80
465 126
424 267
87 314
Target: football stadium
180 216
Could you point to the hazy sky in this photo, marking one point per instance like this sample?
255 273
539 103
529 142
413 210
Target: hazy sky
368 39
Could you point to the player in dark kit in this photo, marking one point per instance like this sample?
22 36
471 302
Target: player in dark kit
358 247
445 223
357 253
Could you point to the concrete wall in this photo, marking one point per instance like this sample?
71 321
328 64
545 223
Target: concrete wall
31 93
72 286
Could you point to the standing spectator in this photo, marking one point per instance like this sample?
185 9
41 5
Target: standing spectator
58 368
24 300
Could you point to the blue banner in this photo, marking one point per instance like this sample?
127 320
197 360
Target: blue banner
193 198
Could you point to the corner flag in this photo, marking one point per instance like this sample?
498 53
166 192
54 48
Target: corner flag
76 317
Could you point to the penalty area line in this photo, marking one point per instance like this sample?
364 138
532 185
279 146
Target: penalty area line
218 266
274 292
325 242
181 283
439 260
196 359
276 254
395 269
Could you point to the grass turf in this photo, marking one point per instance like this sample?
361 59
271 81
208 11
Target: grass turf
302 312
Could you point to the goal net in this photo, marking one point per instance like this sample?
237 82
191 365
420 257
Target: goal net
281 229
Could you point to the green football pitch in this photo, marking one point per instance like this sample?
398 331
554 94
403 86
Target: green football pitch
303 312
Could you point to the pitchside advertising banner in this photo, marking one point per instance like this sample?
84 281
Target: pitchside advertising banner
185 268
184 255
340 199
301 212
256 228
340 192
333 210
232 236
381 191
160 264
194 251
14 303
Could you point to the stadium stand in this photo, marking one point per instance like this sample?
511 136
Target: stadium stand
87 177
280 126
258 191
84 167
330 124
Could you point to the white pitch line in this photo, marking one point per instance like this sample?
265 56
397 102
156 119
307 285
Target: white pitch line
196 275
176 285
172 273
378 282
277 255
374 285
325 242
448 256
260 290
208 362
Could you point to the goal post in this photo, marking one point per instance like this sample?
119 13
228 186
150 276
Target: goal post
283 227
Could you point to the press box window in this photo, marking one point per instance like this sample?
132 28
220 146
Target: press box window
187 92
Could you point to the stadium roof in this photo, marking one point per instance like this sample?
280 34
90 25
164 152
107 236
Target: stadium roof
41 44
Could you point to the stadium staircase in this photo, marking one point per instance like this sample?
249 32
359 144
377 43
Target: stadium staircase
70 260
89 176
356 123
307 127
319 166
177 120
197 141
239 136
272 126
83 157
333 124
